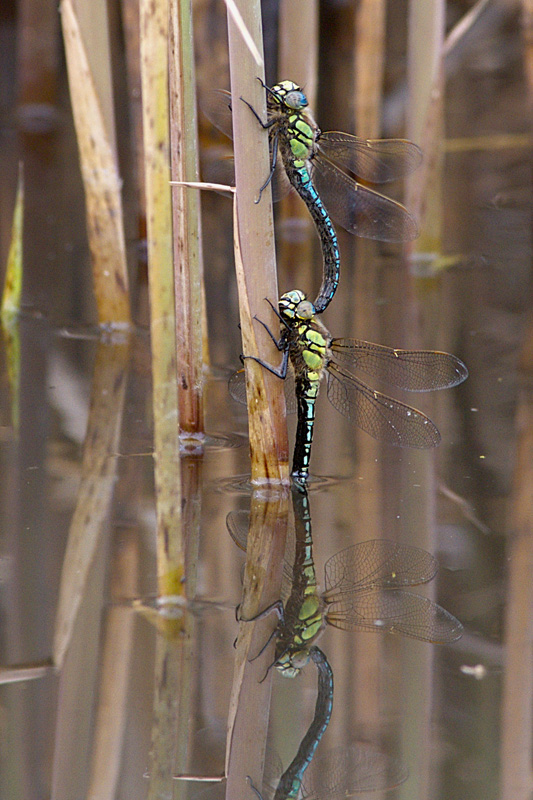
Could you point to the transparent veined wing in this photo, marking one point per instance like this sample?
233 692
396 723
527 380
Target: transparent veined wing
237 389
216 106
238 523
382 417
378 563
345 771
361 210
374 160
414 370
394 611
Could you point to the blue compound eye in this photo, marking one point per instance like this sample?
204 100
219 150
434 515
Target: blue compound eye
296 100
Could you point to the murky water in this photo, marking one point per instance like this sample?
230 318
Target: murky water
453 720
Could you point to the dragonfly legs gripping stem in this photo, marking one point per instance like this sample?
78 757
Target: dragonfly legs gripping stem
253 788
266 126
279 372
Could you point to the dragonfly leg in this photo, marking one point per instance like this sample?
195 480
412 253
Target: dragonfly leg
277 606
266 125
274 148
280 343
253 788
279 372
260 653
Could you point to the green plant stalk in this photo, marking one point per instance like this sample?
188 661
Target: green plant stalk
154 71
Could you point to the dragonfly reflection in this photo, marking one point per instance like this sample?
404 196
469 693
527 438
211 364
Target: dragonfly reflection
364 590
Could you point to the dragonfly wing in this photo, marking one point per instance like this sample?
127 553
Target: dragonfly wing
217 108
237 389
238 524
374 160
382 417
395 611
344 771
414 370
361 210
378 563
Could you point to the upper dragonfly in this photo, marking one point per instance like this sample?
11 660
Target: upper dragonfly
308 156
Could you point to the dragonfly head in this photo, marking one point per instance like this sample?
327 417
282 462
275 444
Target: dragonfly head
295 306
291 663
288 94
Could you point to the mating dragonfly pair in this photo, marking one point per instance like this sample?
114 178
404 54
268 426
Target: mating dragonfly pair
308 157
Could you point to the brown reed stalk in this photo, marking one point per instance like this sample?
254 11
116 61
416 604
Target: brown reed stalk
255 256
425 117
91 98
298 21
369 66
188 267
517 701
96 487
154 27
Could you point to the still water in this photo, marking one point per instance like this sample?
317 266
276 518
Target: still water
410 719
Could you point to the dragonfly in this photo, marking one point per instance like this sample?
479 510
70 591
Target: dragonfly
364 590
313 354
342 772
321 167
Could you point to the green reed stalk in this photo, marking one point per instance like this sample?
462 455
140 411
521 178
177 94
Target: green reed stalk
90 83
154 19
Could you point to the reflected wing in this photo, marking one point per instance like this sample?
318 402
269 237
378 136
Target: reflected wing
217 108
394 611
237 389
382 417
378 563
238 523
361 210
414 370
345 771
374 160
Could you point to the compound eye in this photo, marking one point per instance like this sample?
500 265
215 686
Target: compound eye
296 100
305 310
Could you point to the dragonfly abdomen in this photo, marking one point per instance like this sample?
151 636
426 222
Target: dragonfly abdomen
300 179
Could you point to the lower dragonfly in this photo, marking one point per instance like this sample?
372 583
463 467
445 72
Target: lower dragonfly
364 590
339 773
290 783
313 354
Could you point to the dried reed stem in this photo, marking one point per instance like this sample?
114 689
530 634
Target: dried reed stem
96 143
369 66
425 123
517 703
255 257
188 268
154 69
96 487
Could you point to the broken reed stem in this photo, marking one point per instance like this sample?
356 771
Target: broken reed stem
188 269
255 255
95 131
154 73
